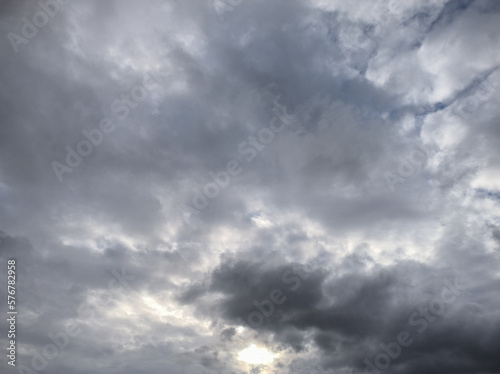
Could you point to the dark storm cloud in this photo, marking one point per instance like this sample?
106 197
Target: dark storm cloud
350 316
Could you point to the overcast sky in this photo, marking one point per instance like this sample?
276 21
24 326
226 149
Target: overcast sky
250 186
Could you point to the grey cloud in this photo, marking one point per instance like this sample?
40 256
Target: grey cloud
365 83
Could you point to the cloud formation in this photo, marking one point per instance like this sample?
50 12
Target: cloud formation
181 180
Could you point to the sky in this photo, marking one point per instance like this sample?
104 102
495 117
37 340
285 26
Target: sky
250 186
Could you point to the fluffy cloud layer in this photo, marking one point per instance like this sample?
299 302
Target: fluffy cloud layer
182 180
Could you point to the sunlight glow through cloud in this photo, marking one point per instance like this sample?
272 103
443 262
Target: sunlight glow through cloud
256 356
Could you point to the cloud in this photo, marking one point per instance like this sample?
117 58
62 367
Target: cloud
308 250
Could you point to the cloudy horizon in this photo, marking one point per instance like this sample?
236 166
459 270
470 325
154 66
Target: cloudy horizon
249 186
